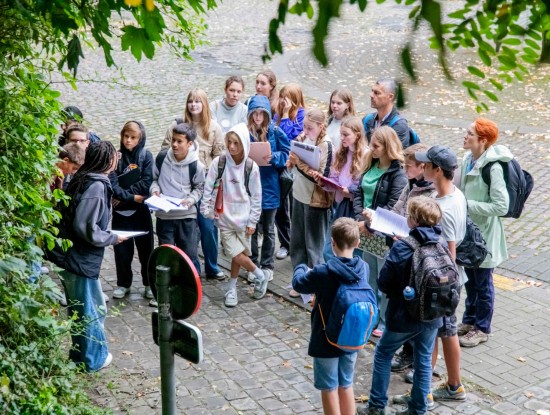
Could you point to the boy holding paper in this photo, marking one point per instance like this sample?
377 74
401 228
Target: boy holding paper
180 175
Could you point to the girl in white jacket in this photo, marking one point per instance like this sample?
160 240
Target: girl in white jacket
242 206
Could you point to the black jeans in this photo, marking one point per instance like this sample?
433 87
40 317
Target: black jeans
124 252
183 233
282 221
266 225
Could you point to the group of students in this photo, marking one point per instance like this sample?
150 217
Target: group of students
370 163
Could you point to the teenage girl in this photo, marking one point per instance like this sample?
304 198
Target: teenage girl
229 111
340 107
380 186
262 130
210 141
266 85
346 170
290 119
311 204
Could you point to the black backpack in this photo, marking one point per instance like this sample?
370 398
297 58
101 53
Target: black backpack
369 118
472 251
247 170
519 184
191 166
434 277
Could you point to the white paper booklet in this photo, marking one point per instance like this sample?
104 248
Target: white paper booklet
390 223
164 203
308 153
129 234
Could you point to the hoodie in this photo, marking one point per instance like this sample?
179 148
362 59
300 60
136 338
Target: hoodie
174 181
395 276
280 147
323 281
227 116
486 205
415 188
240 209
137 157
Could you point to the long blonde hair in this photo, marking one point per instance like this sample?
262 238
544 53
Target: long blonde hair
317 116
356 126
206 116
294 93
392 145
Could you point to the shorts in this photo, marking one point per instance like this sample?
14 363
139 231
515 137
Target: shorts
334 372
235 243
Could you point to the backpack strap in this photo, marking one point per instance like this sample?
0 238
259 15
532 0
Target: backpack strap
395 118
486 173
221 166
192 172
414 244
160 159
367 120
247 171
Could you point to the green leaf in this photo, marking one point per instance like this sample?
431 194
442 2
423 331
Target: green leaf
471 85
407 61
507 62
532 44
511 41
475 71
496 84
484 57
490 95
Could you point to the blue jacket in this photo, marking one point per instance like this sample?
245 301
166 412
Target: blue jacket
323 281
280 147
292 129
395 276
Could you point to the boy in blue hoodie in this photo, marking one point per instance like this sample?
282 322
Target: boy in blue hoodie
333 369
424 215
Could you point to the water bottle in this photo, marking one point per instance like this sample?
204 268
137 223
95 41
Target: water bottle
408 293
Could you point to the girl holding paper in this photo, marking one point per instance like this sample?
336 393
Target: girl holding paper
262 129
311 204
381 185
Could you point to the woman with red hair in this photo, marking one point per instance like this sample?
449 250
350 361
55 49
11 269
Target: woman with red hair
485 206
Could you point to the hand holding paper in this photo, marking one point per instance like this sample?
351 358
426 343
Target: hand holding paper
389 223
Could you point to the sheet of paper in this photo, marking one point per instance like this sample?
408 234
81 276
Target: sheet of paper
258 151
308 153
390 223
129 234
164 203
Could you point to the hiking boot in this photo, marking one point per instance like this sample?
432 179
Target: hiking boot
473 338
231 299
401 361
405 399
260 286
282 253
120 292
444 393
464 329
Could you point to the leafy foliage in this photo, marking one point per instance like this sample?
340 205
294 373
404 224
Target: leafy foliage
36 38
507 35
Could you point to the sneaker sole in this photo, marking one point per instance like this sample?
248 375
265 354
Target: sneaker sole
230 305
474 345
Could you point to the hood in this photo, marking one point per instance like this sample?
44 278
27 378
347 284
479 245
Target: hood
192 155
259 102
426 233
132 156
496 153
347 269
242 132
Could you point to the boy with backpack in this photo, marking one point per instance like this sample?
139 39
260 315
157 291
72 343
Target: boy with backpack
419 268
179 173
342 292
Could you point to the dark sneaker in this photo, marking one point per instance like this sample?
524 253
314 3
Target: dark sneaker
473 338
444 393
220 276
464 329
409 376
401 361
405 399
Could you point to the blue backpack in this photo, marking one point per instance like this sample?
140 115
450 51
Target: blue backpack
353 316
413 135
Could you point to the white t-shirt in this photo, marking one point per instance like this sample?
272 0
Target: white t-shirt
453 221
333 133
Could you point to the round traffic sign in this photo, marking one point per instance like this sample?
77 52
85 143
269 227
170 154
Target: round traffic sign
185 284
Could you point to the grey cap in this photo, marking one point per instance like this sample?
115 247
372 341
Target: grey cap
441 156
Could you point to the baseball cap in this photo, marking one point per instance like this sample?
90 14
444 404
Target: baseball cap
441 156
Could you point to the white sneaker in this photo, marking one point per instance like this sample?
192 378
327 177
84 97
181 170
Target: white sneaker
282 253
120 292
107 362
148 293
106 297
260 286
250 276
44 270
153 303
231 299
268 273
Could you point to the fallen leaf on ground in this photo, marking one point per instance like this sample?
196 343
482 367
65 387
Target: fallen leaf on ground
361 398
286 363
529 394
521 359
127 353
308 366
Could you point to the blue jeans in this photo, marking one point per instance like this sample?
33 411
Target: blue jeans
267 226
85 298
209 243
423 344
480 299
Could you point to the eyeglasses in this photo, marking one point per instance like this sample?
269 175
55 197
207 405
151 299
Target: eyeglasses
118 155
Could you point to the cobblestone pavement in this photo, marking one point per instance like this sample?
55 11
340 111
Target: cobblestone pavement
256 354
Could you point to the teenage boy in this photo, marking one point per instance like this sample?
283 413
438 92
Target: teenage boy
441 163
179 226
424 215
333 368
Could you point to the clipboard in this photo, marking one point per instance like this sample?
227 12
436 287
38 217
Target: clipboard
129 178
258 150
329 182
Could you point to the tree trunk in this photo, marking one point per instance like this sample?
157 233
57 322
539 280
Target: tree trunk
545 53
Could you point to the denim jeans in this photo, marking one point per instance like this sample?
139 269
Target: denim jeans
209 243
480 299
85 298
266 225
423 344
375 265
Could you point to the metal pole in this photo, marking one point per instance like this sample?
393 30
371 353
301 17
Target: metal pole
167 379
